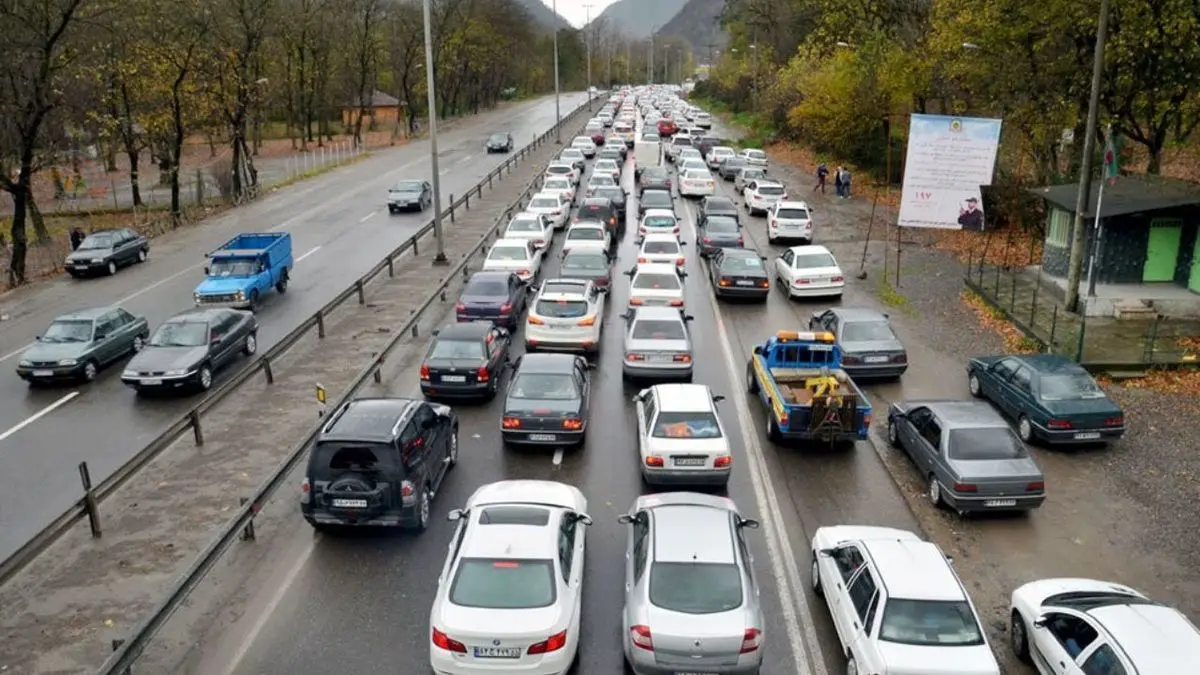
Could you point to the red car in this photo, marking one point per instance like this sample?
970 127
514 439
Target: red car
666 127
598 137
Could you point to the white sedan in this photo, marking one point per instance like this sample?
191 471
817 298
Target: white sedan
587 235
549 204
509 596
696 183
691 164
656 284
531 226
585 145
809 272
718 155
518 256
680 437
565 315
562 186
662 248
608 166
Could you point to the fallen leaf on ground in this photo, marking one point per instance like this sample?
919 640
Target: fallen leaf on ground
1015 342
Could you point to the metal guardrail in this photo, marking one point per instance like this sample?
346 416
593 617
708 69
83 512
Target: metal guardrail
88 505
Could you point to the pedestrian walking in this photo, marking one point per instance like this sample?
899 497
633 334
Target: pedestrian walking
77 237
822 177
837 181
845 183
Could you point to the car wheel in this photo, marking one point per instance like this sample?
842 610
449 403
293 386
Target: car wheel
90 371
251 345
138 343
751 381
935 491
141 255
1019 637
773 432
893 435
973 386
816 576
851 666
205 378
423 510
111 268
1025 429
452 452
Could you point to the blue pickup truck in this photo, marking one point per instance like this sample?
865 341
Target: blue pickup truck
808 397
243 270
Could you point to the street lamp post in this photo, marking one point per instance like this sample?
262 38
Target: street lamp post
650 62
754 77
557 108
440 258
587 24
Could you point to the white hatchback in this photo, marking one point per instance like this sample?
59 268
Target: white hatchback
662 248
659 221
809 271
760 195
680 437
697 183
550 205
587 235
790 220
565 315
518 256
562 186
656 284
585 145
510 594
530 226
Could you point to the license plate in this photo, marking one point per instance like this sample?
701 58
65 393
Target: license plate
543 437
1000 502
745 282
1087 436
43 373
497 652
454 378
152 381
350 503
660 358
689 461
876 359
81 267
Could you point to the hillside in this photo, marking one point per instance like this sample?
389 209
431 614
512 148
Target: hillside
699 22
637 18
545 17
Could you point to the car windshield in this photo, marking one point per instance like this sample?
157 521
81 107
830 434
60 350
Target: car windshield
750 174
180 334
499 138
561 309
68 331
686 425
487 288
737 264
508 253
721 226
606 165
544 386
986 443
792 214
524 226
543 203
1073 387
586 234
659 221
559 169
456 349
929 623
585 261
695 175
656 282
489 583
658 329
770 190
695 588
756 154
233 267
665 247
867 331
813 260
602 180
98 241
407 186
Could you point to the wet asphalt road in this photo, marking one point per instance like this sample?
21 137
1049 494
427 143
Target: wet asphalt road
361 603
340 228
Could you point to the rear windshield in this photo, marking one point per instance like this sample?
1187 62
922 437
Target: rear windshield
660 221
722 225
792 214
659 282
544 386
543 203
508 253
601 179
486 287
659 329
561 309
696 175
339 457
686 425
596 209
524 226
661 247
1072 387
582 261
695 588
752 173
586 234
741 264
559 169
605 165
997 443
811 260
773 190
456 349
681 140
654 174
558 184
930 623
867 331
488 583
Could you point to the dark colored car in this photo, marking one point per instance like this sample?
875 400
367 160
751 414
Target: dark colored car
706 144
591 265
616 195
870 349
719 206
104 251
499 297
739 273
653 178
188 348
466 360
666 127
730 167
410 195
76 346
1053 399
547 401
502 142
971 460
378 462
654 198
600 209
716 232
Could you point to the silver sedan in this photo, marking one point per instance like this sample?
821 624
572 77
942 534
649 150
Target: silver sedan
658 344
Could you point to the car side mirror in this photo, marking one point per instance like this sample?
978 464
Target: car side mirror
639 241
602 289
683 275
688 317
583 518
455 514
591 365
631 271
763 258
206 270
37 338
435 332
682 242
757 350
718 398
748 523
827 552
625 519
1040 622
216 340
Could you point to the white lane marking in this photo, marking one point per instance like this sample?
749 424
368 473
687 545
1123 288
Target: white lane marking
367 217
314 250
783 562
39 414
558 457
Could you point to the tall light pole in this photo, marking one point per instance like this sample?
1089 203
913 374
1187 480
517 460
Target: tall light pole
650 60
440 258
557 108
587 25
754 76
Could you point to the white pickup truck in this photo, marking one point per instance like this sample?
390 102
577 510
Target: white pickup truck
646 154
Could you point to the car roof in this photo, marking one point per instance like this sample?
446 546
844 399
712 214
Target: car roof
490 276
1050 364
596 201
511 541
606 159
368 419
198 314
547 363
658 213
679 397
812 248
466 329
768 182
675 528
914 569
965 414
792 205
586 224
1154 636
564 287
526 491
657 268
543 194
561 164
739 253
718 201
87 314
858 314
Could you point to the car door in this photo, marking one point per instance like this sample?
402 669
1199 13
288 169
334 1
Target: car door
570 562
844 563
222 337
104 340
995 378
1060 640
497 349
647 406
783 267
865 599
435 437
585 386
910 430
123 329
929 447
1016 391
637 558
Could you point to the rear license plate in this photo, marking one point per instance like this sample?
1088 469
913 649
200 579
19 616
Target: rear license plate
152 381
660 358
1001 503
1087 436
43 373
454 378
688 461
497 652
745 282
543 437
350 503
876 359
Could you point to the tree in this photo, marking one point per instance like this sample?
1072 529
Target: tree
239 30
368 15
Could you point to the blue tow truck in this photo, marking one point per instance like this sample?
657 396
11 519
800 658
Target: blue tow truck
808 397
244 269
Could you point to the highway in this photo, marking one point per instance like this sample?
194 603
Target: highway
360 603
340 227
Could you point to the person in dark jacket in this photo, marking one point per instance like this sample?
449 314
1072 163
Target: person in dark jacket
77 237
822 176
837 181
970 217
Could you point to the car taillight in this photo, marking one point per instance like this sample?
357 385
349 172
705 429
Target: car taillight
642 259
589 321
676 230
1036 486
1118 421
443 641
742 242
424 372
506 308
900 358
305 491
551 644
406 488
965 487
572 424
539 242
838 280
482 375
751 640
680 260
533 320
1059 424
708 240
783 197
682 358
764 284
633 356
676 303
724 282
773 224
654 461
637 301
640 635
510 423
800 282
524 274
460 308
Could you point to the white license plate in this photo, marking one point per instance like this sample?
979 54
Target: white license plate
81 267
1000 503
876 359
350 503
661 358
497 652
152 381
454 378
689 461
1087 436
43 373
543 437
745 282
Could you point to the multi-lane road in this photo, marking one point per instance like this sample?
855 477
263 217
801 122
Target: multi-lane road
361 603
340 227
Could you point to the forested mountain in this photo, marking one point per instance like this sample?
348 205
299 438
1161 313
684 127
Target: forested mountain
698 22
543 15
637 19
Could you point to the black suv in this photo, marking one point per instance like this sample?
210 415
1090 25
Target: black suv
378 462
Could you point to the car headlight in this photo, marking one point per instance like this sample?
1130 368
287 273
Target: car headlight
97 260
176 372
241 295
129 373
68 362
25 363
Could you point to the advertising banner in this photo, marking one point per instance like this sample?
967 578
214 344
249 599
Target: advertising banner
948 159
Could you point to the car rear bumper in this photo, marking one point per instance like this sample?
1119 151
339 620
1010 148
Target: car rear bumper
882 370
572 346
446 663
741 291
979 504
644 663
406 517
452 390
656 371
549 438
1068 436
815 290
671 476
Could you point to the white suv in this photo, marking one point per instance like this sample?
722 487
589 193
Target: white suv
565 315
656 285
680 437
897 604
789 220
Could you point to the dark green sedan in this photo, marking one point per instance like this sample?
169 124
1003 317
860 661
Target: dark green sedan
1052 399
76 346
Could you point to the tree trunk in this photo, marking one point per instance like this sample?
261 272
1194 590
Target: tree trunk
40 234
20 195
176 149
129 139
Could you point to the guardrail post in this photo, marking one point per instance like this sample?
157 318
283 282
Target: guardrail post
466 273
416 249
321 324
479 188
452 207
414 331
248 530
378 374
358 288
392 262
197 432
490 179
90 505
117 643
267 371
467 200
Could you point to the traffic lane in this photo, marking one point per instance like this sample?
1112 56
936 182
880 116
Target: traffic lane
346 574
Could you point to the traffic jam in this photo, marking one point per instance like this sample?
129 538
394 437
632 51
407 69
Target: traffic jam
647 226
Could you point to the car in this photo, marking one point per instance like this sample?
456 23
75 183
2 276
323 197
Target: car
789 220
608 167
696 183
754 157
187 349
535 227
674 145
105 251
510 593
717 155
587 264
379 463
686 153
655 199
564 170
76 346
739 273
547 401
500 142
656 284
589 235
518 256
666 127
613 153
658 221
599 180
651 137
703 120
718 232
654 177
465 360
691 602
680 437
969 457
762 194
690 164
566 315
809 271
870 348
719 206
664 247
1052 399
1087 626
573 156
745 175
658 345
499 297
413 195
730 167
618 197
705 144
551 206
598 209
585 145
595 131
562 186
897 605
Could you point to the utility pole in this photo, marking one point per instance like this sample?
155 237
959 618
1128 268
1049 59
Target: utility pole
557 109
710 46
1075 262
650 62
628 62
587 24
440 257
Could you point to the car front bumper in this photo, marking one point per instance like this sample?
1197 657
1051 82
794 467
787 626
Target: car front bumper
552 438
53 373
162 382
88 267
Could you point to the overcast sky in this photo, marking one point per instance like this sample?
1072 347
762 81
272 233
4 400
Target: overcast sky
573 10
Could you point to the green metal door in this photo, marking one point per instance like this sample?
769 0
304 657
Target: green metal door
1162 249
1194 277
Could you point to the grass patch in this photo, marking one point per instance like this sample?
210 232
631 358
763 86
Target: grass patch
890 296
757 131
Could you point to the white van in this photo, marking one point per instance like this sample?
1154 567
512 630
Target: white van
646 153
